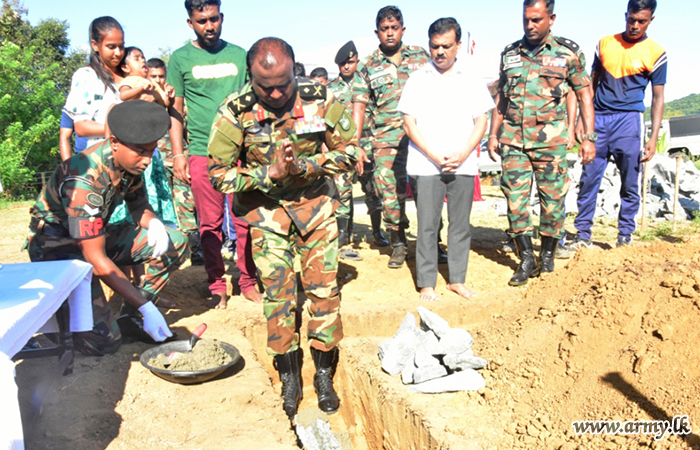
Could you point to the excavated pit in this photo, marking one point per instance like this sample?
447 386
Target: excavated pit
377 411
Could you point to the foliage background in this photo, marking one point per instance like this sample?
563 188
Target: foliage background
36 66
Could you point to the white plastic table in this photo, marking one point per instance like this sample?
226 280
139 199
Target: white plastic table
30 295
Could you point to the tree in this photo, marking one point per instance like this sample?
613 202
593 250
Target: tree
36 66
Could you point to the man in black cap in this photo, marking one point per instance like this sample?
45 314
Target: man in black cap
347 61
70 221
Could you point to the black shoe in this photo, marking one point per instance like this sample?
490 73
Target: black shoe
343 237
325 362
441 254
528 266
196 255
398 256
288 367
547 251
379 238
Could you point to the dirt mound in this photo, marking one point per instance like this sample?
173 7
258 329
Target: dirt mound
612 336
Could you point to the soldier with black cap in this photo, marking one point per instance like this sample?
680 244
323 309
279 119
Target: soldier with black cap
70 221
347 60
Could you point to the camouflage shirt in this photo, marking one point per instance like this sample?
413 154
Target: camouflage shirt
535 88
84 190
380 85
343 92
244 129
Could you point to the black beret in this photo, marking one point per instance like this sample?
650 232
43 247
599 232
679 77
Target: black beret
138 122
346 52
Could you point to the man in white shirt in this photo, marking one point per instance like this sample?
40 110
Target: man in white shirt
444 108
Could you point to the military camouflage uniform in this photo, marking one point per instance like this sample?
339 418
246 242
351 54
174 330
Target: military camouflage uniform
182 192
380 85
343 92
76 204
294 216
534 132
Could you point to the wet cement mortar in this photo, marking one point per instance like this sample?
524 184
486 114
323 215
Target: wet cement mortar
206 354
610 335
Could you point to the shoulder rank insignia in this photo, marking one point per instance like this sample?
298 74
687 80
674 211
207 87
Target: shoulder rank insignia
568 43
312 91
510 47
242 103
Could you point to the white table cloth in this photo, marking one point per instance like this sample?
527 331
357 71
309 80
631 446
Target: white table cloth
30 294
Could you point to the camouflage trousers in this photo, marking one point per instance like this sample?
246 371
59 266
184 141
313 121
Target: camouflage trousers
548 165
372 200
344 182
183 201
274 256
390 184
125 245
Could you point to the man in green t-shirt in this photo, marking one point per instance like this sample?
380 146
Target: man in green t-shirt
203 73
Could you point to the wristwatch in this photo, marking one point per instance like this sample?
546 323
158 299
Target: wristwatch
301 164
593 137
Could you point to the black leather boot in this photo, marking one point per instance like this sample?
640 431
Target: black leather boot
325 362
549 246
398 256
196 255
342 231
528 266
289 369
379 238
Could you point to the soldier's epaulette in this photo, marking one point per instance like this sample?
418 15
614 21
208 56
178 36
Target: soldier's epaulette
568 43
311 90
510 47
242 103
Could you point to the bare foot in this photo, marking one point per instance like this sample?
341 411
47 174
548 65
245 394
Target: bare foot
428 294
218 301
253 295
461 290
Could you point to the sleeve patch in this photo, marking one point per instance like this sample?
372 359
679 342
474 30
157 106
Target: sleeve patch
85 228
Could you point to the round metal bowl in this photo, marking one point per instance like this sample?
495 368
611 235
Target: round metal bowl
182 376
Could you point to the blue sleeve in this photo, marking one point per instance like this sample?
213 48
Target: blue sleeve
658 73
66 121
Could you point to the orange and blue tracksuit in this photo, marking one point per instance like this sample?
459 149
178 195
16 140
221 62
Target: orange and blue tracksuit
624 70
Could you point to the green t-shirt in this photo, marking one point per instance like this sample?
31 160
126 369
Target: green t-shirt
205 78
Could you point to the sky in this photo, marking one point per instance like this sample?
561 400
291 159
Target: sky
316 30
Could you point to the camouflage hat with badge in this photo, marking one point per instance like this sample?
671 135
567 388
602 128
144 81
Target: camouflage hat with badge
138 122
346 52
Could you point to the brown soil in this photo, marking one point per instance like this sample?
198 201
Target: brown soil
611 334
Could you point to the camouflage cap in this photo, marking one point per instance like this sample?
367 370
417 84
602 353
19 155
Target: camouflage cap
346 52
138 122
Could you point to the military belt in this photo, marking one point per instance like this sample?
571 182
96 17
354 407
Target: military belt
39 226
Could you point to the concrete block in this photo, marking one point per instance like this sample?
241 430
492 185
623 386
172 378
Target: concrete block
424 359
464 361
465 380
423 374
457 340
407 373
431 321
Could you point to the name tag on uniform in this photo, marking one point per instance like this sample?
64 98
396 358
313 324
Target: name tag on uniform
314 124
263 139
550 61
512 61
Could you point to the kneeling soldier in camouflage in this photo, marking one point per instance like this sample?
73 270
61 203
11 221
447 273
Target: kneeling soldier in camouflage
276 124
71 215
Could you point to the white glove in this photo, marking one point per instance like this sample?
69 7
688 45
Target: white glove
154 323
157 237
